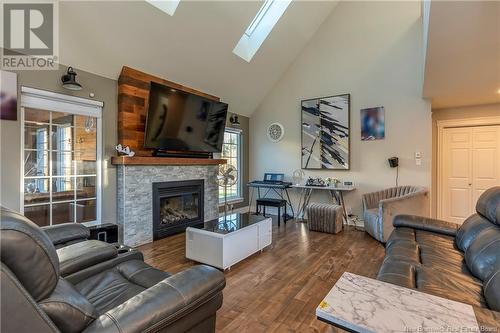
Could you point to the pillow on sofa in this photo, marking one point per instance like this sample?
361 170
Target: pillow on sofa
469 230
481 256
68 309
488 204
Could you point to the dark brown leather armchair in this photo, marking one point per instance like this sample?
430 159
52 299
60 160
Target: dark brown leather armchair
124 296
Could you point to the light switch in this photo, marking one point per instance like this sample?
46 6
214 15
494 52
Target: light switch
418 158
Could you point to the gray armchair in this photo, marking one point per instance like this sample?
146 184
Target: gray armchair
379 208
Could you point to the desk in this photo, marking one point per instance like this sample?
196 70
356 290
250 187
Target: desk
360 304
279 189
335 191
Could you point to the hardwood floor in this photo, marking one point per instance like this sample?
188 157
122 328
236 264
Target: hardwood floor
278 290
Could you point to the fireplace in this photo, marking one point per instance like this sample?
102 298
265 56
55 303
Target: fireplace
176 206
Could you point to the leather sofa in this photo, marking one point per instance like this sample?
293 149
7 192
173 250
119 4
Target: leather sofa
458 262
102 291
380 208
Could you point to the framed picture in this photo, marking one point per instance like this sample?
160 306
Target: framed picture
326 132
373 124
8 95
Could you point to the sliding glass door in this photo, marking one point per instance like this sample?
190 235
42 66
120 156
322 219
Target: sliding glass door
61 182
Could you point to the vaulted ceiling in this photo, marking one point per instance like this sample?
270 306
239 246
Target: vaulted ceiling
463 54
193 47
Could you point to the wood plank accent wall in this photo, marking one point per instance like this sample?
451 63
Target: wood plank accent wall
133 96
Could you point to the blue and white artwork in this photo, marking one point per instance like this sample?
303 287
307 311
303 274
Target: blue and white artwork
325 132
373 124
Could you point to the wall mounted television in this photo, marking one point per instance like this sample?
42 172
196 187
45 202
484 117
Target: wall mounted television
178 121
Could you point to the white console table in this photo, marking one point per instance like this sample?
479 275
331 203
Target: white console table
360 304
226 241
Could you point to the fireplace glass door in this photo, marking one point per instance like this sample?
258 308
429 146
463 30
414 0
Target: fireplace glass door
176 206
179 208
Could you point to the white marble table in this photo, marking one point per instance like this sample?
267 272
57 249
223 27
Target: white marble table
361 304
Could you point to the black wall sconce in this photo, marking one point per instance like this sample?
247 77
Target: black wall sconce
69 80
234 120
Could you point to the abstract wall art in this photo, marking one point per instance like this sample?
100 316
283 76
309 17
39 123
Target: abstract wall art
8 95
326 132
373 124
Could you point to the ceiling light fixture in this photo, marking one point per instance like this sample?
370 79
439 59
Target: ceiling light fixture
69 80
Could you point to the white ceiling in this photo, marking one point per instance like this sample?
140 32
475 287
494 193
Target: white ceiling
463 54
193 47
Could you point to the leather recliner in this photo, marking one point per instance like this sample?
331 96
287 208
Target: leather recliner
130 296
80 257
458 262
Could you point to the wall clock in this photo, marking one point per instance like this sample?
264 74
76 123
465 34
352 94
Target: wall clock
275 132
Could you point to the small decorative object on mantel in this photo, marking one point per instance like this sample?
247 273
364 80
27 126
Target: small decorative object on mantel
124 150
373 124
326 132
8 95
275 132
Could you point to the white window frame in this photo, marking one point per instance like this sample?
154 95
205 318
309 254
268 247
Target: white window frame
51 101
239 197
260 27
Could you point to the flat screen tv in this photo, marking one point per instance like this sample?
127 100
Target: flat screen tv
180 121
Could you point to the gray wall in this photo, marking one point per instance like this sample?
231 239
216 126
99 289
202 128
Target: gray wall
105 90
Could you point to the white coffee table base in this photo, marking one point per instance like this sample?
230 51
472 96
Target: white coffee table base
361 304
224 250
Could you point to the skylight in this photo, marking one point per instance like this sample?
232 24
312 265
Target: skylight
268 15
167 6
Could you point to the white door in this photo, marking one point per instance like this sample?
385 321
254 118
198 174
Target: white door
470 165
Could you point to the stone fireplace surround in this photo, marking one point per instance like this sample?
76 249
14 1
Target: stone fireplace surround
135 196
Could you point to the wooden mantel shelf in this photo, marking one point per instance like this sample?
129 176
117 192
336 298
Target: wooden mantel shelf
149 160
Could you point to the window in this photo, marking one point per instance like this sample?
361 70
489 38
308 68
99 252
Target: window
61 158
231 151
268 15
166 6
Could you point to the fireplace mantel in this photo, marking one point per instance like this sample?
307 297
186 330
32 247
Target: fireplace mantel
148 160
